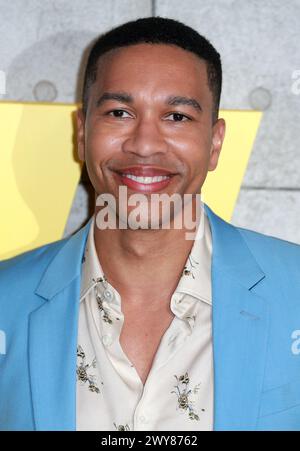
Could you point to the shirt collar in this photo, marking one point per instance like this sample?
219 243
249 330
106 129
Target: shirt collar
91 268
196 276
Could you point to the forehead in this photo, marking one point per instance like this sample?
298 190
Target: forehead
151 65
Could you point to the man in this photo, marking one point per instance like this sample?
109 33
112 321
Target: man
140 328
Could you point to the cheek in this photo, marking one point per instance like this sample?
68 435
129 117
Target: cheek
100 146
194 151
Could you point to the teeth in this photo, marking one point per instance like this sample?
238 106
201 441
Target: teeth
146 180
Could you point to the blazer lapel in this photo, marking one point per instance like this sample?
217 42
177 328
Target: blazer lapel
53 338
240 329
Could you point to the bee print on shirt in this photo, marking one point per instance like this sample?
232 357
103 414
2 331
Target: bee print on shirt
105 313
184 394
83 373
121 427
189 268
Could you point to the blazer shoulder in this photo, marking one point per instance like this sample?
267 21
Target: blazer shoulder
257 238
270 250
24 266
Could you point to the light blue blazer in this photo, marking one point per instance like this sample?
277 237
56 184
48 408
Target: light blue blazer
256 332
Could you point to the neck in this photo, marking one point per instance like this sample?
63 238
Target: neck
143 265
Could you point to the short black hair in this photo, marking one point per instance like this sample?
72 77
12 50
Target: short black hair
156 30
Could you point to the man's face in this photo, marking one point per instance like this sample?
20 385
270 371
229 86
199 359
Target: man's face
150 115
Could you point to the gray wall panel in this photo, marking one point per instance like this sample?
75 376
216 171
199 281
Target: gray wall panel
259 44
42 45
42 42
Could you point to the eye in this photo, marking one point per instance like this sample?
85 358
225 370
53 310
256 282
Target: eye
179 117
120 114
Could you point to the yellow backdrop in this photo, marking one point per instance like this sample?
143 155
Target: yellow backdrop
39 171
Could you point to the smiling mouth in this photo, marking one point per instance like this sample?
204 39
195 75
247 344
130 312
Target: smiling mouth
144 179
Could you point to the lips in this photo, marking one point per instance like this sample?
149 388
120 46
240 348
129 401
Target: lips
144 171
145 179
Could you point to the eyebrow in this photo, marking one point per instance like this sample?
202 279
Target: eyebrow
124 97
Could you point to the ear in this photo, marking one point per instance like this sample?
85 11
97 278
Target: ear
218 134
80 134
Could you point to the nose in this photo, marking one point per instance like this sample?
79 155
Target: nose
146 138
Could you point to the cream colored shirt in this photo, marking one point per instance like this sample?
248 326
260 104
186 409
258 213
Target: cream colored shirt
178 392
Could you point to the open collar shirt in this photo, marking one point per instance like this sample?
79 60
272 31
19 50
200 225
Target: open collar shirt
178 392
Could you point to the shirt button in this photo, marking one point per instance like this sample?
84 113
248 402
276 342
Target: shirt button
107 294
107 340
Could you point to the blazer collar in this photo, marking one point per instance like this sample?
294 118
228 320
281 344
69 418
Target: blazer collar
65 266
231 253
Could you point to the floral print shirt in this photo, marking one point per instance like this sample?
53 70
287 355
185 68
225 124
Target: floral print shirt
178 392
